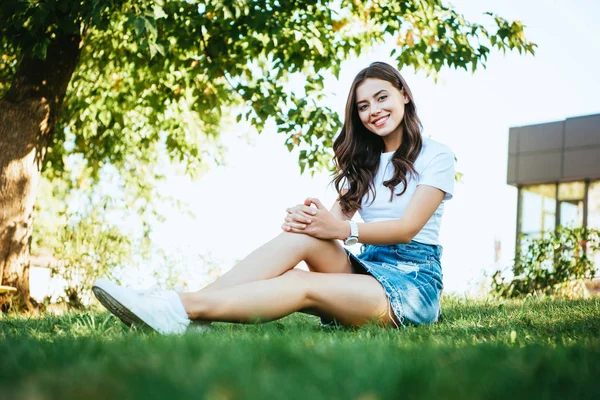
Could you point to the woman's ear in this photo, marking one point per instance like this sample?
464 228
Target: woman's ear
405 96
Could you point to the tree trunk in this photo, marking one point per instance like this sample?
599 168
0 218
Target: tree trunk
28 114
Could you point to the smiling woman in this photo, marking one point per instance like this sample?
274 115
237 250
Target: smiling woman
397 277
386 105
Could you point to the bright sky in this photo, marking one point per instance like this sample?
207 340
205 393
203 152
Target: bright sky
242 205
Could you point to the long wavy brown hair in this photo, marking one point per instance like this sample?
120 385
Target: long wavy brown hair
358 150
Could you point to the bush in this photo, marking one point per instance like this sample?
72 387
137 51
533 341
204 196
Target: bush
91 248
548 263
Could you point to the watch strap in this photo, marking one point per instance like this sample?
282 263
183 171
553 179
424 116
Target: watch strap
353 229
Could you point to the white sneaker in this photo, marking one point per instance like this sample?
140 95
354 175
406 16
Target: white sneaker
195 325
151 308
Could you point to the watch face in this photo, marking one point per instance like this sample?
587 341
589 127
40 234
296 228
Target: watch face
351 241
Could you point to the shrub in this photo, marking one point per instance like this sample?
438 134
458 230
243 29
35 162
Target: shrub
91 248
546 264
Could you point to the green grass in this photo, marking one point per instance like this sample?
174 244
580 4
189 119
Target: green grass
483 349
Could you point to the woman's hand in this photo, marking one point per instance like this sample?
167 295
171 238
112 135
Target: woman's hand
299 216
322 225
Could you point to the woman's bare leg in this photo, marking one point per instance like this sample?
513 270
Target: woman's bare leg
283 253
351 299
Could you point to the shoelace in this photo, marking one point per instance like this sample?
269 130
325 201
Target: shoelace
154 292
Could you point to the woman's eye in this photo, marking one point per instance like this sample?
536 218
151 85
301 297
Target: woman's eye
382 97
362 108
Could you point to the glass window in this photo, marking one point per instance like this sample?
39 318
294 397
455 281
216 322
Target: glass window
571 213
594 205
594 215
538 208
570 197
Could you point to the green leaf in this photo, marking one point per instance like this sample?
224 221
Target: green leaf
158 12
139 24
150 26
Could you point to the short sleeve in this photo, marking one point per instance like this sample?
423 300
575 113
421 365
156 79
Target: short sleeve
439 173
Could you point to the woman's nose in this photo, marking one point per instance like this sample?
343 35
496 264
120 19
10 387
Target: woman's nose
375 110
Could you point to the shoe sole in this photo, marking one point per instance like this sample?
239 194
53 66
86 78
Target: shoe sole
118 309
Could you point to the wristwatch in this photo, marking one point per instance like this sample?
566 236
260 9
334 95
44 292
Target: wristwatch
353 238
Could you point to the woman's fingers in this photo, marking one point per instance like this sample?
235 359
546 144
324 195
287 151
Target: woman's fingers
297 221
303 209
295 224
299 218
307 209
290 226
292 229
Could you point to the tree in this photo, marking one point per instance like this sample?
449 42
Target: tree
114 81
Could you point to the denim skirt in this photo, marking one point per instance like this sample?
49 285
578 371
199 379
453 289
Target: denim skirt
410 273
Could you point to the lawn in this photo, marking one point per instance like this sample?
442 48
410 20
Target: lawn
483 349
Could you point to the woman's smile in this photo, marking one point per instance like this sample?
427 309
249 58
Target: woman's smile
381 121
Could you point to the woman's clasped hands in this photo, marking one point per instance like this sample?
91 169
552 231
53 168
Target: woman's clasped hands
317 222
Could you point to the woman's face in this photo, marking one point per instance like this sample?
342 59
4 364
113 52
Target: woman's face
380 106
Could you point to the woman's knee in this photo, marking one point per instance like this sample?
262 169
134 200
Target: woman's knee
302 240
300 278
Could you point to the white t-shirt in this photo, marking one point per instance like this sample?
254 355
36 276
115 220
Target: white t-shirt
435 166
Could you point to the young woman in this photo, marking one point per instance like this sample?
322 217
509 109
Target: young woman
398 181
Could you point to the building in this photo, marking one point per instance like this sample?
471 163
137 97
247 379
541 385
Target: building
556 169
